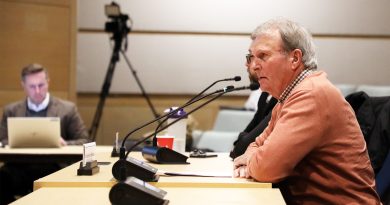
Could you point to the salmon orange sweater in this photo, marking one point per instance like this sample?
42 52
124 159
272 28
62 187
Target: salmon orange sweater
314 145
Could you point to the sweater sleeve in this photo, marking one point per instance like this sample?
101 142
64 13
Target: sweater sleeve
295 129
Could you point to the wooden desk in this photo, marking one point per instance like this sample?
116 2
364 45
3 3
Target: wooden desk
67 177
69 154
176 196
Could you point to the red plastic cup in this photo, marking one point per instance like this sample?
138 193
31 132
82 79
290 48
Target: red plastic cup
165 141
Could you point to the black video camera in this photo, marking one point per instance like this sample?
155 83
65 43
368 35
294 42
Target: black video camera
118 23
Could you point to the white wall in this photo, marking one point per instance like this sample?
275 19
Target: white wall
181 46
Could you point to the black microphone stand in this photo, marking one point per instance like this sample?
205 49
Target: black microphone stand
220 93
236 78
127 166
164 155
191 101
125 191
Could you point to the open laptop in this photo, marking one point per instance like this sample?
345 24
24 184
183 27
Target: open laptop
30 132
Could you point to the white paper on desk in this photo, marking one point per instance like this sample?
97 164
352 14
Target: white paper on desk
196 174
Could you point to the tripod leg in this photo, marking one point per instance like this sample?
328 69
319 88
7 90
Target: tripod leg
140 85
103 95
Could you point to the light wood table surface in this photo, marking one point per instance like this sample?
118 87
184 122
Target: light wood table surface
67 177
176 196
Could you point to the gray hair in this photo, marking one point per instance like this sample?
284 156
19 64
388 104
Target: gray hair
294 36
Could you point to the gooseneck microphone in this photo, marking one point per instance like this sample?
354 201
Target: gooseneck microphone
221 91
130 188
218 91
114 153
128 166
255 85
139 166
236 78
168 156
173 112
252 87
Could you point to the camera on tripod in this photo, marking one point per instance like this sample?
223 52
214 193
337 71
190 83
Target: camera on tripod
118 23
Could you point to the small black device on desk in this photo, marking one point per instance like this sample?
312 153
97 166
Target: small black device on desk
201 154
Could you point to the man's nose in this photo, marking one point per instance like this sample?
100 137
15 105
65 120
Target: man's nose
37 89
254 66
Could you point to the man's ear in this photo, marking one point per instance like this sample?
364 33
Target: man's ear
296 58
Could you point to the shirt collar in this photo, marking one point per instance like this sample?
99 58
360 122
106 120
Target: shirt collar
39 107
292 85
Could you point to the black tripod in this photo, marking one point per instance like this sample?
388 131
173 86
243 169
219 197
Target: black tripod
120 30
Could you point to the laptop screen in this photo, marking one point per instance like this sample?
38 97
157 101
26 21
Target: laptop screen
29 132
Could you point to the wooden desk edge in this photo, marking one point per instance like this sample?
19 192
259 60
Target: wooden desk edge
38 185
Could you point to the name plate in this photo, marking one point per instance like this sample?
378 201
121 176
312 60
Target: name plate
89 165
89 154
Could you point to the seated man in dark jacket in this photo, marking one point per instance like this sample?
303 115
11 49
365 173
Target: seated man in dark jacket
255 127
257 124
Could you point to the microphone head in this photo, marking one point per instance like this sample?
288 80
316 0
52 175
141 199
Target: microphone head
254 86
237 78
228 88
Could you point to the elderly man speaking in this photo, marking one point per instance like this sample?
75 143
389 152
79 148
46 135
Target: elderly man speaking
313 146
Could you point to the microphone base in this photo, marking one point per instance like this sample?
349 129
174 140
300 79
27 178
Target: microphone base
114 152
89 169
135 190
162 155
124 168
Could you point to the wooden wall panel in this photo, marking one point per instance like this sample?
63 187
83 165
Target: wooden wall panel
37 31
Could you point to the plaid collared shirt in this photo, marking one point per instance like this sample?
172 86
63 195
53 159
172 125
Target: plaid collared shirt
292 85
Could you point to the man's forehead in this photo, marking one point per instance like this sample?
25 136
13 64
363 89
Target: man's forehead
41 76
266 41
